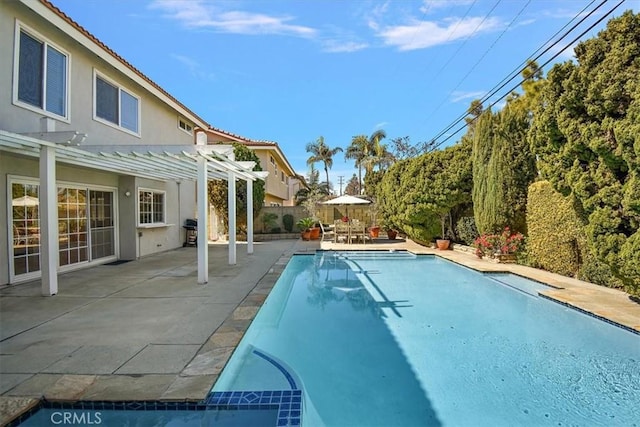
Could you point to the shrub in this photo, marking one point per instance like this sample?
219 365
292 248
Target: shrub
268 221
597 272
287 221
276 230
466 229
556 235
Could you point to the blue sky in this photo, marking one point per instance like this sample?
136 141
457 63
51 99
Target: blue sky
290 71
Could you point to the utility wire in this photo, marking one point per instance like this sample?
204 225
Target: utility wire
519 69
523 80
480 59
467 38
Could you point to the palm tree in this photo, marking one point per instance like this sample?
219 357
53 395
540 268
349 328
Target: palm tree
358 151
320 152
377 153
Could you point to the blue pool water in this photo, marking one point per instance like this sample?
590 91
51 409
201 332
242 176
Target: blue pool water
386 339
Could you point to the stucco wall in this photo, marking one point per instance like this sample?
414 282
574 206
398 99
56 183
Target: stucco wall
158 126
158 122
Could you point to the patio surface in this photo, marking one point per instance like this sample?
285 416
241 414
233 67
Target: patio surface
145 330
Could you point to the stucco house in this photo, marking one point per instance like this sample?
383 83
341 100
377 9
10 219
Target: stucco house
97 162
277 189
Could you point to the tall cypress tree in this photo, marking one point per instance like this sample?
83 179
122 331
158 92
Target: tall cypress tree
481 156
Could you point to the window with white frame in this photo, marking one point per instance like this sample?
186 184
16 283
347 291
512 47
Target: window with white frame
185 126
41 74
115 105
151 207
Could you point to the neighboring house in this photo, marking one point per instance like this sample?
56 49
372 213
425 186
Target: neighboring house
296 184
98 163
272 159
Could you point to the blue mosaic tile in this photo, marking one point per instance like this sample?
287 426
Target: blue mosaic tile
289 413
287 402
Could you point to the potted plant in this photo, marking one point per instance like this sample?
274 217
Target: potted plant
374 230
443 242
305 225
314 230
310 205
391 233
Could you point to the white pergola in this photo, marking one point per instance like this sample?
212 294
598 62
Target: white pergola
197 163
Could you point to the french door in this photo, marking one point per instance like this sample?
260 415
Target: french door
86 227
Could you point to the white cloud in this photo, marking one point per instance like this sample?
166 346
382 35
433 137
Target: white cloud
376 15
433 5
458 96
380 125
340 46
198 14
194 67
424 34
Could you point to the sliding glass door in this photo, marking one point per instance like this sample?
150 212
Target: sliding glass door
86 226
25 224
103 233
72 226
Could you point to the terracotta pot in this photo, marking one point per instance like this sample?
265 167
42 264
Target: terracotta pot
442 244
374 231
391 234
315 233
306 234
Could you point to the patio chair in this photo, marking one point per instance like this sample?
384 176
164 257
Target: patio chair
341 232
19 236
358 232
328 232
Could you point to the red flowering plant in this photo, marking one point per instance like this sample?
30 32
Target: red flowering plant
505 243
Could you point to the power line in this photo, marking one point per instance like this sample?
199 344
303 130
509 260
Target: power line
546 63
480 59
519 69
464 42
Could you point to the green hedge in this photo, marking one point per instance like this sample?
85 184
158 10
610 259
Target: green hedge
557 239
556 234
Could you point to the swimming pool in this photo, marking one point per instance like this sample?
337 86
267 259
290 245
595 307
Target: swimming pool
383 339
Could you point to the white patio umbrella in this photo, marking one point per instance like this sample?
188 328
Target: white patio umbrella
346 200
27 201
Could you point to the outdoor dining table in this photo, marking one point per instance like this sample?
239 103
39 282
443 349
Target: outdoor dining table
350 230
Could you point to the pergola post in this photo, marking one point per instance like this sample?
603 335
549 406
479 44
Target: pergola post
48 213
202 198
249 216
231 189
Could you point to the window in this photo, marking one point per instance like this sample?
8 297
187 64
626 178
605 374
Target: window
151 207
116 106
282 176
41 75
185 126
272 160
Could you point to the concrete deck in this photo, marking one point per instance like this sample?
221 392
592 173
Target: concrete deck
145 330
